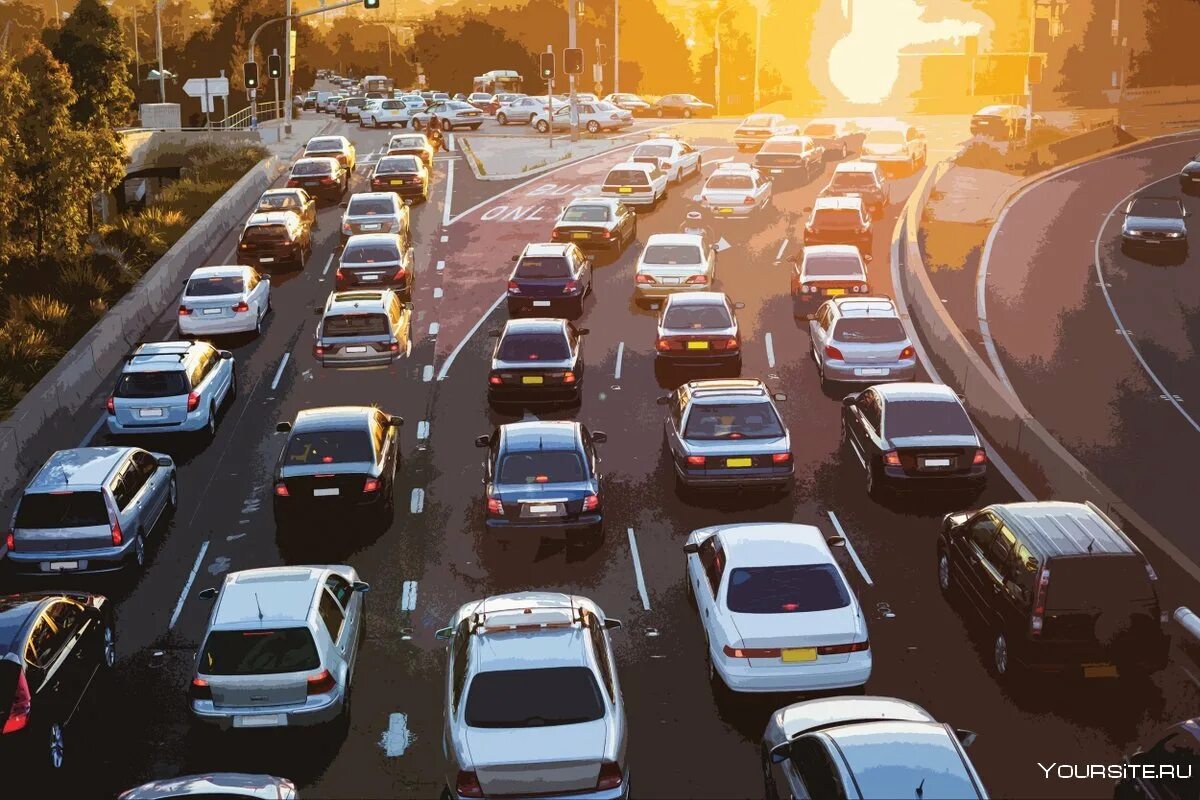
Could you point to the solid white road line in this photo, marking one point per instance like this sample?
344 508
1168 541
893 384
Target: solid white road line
437 292
441 265
328 264
171 334
445 370
396 738
91 434
449 195
450 142
422 430
417 504
279 372
187 587
850 549
434 328
770 351
427 373
620 355
637 569
782 246
408 596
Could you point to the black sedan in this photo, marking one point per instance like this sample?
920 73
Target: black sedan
537 362
337 459
913 436
682 105
407 176
1154 224
549 279
52 646
1189 176
542 478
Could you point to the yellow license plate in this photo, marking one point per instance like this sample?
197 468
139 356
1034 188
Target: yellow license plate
625 190
397 183
725 210
532 379
697 345
835 292
579 235
794 655
1099 671
738 462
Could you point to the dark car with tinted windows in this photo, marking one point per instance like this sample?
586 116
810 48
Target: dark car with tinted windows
275 238
374 261
699 329
1175 761
1154 224
549 279
681 105
537 362
863 180
407 176
1189 176
839 220
542 478
324 178
596 223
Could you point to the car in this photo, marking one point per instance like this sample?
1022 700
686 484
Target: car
838 137
541 478
375 212
1004 122
484 102
586 97
310 99
594 117
860 179
757 128
362 328
596 223
505 98
349 110
523 109
1154 223
1059 586
377 260
698 329
376 95
1189 176
777 612
214 785
735 191
865 748
726 434
223 300
450 114
548 278
1165 770
673 156
324 178
681 105
672 263
629 102
902 145
413 102
427 97
275 238
172 387
825 271
330 102
378 113
440 97
339 107
411 144
537 362
293 199
859 339
839 220
280 648
338 147
635 184
91 510
405 176
53 648
790 155
913 436
337 459
533 703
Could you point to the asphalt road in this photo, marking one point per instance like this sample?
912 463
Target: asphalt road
682 743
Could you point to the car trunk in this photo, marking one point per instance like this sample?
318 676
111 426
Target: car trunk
726 197
212 307
686 343
933 455
259 691
549 502
834 287
382 274
581 231
56 522
778 160
867 353
326 482
733 457
672 276
384 180
556 759
551 288
551 373
369 223
1104 607
149 412
799 631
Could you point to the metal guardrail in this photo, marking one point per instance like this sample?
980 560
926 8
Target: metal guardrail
242 120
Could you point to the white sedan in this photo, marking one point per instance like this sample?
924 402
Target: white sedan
735 190
777 612
524 109
220 300
413 102
377 113
674 263
451 114
673 156
593 117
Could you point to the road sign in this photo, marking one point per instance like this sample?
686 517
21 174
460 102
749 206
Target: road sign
212 87
597 73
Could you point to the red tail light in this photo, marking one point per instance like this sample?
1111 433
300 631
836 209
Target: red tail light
370 485
663 343
841 649
568 377
242 306
394 347
697 280
833 352
184 311
752 652
605 234
645 279
725 344
908 352
781 458
18 712
513 288
980 457
891 458
494 506
110 404
400 273
193 401
495 380
591 502
318 350
281 490
571 286
1039 603
467 784
326 179
749 201
610 774
200 690
321 683
339 275
695 461
10 542
554 234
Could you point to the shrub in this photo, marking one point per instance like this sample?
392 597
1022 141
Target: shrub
144 237
41 310
982 155
213 161
190 197
26 351
81 283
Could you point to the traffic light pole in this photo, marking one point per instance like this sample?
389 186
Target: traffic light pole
572 13
287 72
275 52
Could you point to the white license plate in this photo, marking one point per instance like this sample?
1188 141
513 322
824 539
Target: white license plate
871 371
212 311
260 721
312 183
150 413
373 227
268 259
671 281
371 277
327 492
61 566
543 509
776 172
936 462
541 303
356 349
1196 179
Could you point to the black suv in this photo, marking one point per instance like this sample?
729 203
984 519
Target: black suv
1060 587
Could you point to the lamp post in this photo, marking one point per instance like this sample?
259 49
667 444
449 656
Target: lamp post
616 46
162 78
717 46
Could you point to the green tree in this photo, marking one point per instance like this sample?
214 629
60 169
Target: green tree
92 46
14 100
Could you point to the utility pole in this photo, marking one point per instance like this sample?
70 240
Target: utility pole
757 50
287 73
162 78
1119 41
572 13
717 43
616 56
137 56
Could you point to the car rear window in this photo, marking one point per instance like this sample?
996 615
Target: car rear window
325 145
729 182
1097 582
538 267
885 136
786 589
925 418
259 652
696 317
836 218
626 177
278 202
733 421
533 698
882 759
311 168
653 151
265 233
672 255
355 325
585 214
165 383
870 330
328 447
757 121
409 141
541 466
392 105
61 510
820 129
852 180
396 164
215 285
833 267
792 147
371 205
370 253
531 346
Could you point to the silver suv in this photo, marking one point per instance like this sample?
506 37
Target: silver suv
533 705
91 510
280 648
861 340
362 328
375 212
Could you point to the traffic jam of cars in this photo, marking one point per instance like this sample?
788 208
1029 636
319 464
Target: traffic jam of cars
533 673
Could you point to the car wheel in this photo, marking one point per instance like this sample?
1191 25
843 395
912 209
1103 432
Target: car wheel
374 122
259 322
945 581
502 119
845 151
231 395
139 551
1001 658
108 645
210 429
659 112
874 489
691 594
687 113
699 166
542 126
172 496
593 127
56 746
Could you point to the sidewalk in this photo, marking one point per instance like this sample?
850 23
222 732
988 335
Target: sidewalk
303 129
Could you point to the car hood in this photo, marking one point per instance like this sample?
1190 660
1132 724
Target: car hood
555 759
1154 224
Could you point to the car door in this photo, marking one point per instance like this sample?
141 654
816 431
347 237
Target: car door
82 648
708 569
154 488
134 501
674 425
968 551
865 420
55 679
818 329
995 568
352 604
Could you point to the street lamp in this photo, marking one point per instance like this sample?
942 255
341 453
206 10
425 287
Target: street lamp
717 46
162 79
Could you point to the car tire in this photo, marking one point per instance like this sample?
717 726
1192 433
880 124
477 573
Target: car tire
593 127
577 308
258 323
210 430
502 118
845 152
542 126
945 576
873 486
699 166
1002 663
687 113
231 395
108 647
56 747
374 122
659 112
139 552
691 592
172 496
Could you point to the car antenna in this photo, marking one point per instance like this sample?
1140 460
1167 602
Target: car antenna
260 613
921 788
1091 544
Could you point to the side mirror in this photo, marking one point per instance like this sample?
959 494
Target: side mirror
850 399
582 331
483 440
444 634
283 427
836 541
493 334
408 201
691 548
965 737
779 397
664 400
208 594
868 258
163 461
612 624
515 258
599 437
739 306
361 586
396 421
224 355
781 753
185 283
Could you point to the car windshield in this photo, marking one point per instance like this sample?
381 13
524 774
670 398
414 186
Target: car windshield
757 121
852 180
733 421
672 255
312 168
740 182
885 136
328 447
61 510
396 164
833 267
534 346
836 218
415 142
626 177
820 129
261 651
214 285
696 316
541 466
774 146
869 330
168 383
543 267
604 106
925 418
371 205
533 698
458 105
355 325
278 202
325 145
786 589
1097 582
265 233
370 254
578 213
653 151
689 98
1154 207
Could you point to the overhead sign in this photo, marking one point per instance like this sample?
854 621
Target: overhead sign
212 87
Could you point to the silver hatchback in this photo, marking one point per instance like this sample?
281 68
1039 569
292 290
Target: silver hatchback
362 328
861 340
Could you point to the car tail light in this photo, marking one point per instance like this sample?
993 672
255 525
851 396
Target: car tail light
568 377
610 774
841 649
394 347
908 352
111 405
642 278
570 286
752 652
193 401
184 311
697 280
115 531
781 458
514 287
347 229
554 234
891 458
663 343
370 485
321 683
695 461
860 288
326 179
591 502
242 306
980 457
281 490
749 201
10 542
400 273
22 703
605 234
494 506
1039 602
833 352
495 380
318 350
467 784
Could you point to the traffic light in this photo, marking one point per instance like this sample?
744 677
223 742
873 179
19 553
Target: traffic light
251 74
371 3
1035 70
547 63
274 65
573 61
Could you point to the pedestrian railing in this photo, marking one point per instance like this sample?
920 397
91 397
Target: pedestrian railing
251 115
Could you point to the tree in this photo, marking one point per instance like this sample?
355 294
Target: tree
1091 56
14 100
1171 27
92 47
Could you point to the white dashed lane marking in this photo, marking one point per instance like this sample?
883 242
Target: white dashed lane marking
417 504
187 587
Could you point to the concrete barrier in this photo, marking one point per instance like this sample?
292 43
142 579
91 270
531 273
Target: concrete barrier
28 435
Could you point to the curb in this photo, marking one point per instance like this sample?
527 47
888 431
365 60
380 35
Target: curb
472 161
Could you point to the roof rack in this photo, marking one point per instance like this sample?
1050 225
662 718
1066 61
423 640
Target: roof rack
181 350
529 618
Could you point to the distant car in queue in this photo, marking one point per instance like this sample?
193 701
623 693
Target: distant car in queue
407 176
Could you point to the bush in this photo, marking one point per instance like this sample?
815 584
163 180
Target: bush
42 311
982 155
26 352
212 161
190 196
81 283
144 238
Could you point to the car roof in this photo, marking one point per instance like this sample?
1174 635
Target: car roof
542 249
342 140
159 356
856 166
328 418
212 784
865 306
735 166
360 299
697 299
226 271
633 165
271 218
540 435
855 203
787 138
611 202
266 596
882 753
534 325
732 390
373 238
318 159
284 190
558 641
916 390
774 543
694 239
1064 529
827 712
77 468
